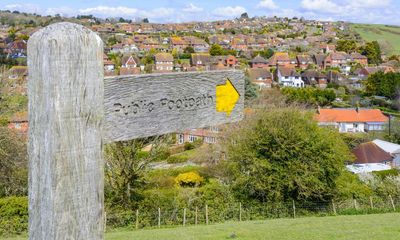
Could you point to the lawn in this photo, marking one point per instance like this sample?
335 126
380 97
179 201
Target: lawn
387 36
372 227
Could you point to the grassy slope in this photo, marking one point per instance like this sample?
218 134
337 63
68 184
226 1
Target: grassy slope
374 227
387 36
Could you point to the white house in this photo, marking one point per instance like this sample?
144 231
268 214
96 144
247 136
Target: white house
288 77
391 148
352 120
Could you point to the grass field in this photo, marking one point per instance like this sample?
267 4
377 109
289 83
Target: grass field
371 227
387 36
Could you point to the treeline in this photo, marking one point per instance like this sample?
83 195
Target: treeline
384 84
311 96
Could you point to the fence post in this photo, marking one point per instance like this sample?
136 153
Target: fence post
137 219
371 203
184 216
333 206
355 203
294 209
159 217
206 214
195 217
66 168
391 200
240 212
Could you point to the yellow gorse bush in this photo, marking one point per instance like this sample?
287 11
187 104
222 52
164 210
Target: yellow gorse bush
189 179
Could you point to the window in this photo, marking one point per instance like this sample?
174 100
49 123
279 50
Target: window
192 138
181 138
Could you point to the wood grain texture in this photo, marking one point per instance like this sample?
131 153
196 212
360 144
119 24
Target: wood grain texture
147 105
66 91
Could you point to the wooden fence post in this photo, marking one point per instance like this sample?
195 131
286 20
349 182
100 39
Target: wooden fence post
333 207
184 216
371 202
159 217
206 215
391 200
66 169
240 212
137 219
294 209
355 203
195 217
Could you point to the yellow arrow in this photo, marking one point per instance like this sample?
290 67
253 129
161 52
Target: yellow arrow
227 97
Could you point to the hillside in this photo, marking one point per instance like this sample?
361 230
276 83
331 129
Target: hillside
387 36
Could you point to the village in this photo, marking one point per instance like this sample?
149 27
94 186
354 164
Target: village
323 69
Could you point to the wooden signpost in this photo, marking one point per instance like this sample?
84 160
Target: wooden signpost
73 110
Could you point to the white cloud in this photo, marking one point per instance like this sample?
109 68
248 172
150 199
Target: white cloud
105 11
370 3
267 4
326 6
229 11
191 8
26 7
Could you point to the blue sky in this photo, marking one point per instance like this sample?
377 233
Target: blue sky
364 11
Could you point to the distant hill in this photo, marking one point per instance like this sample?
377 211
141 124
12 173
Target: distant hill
387 36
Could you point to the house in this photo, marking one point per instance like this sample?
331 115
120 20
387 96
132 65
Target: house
314 78
261 77
201 60
207 135
358 58
303 61
319 60
179 43
366 71
164 62
281 59
328 48
391 148
19 122
130 65
18 73
109 66
339 60
288 77
370 157
352 120
259 62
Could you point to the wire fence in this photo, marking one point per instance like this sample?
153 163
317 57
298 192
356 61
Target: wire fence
194 215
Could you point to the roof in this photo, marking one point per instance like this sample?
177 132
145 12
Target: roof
351 115
256 73
279 56
319 59
164 57
205 58
370 153
389 147
286 72
259 59
366 168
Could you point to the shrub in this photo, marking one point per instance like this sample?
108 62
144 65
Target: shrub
189 179
177 159
13 215
189 146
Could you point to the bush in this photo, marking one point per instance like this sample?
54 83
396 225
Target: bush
177 159
13 215
189 146
189 179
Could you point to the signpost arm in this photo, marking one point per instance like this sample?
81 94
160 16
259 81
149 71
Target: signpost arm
65 89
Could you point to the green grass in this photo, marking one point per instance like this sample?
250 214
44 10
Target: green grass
373 227
387 36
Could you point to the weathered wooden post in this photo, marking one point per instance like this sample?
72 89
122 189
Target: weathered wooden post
65 91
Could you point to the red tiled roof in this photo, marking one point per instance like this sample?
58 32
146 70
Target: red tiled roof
370 153
351 115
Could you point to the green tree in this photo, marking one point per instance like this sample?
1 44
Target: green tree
216 50
13 164
188 50
250 90
372 51
282 154
125 165
346 45
384 84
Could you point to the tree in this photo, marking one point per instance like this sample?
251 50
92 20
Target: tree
12 33
383 84
216 50
250 90
188 49
346 45
145 20
372 51
282 154
244 15
13 164
125 165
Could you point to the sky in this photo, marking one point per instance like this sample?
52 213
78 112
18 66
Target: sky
166 11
